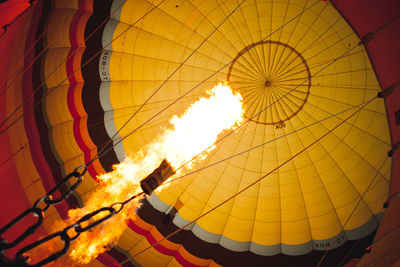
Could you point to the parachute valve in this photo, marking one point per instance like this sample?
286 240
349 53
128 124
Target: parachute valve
157 177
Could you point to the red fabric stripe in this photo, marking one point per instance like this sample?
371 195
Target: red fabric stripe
159 247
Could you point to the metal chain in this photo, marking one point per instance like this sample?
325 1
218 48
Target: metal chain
67 237
38 212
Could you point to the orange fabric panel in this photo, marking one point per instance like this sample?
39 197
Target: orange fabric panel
12 9
385 247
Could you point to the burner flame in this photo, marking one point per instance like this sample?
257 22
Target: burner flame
190 139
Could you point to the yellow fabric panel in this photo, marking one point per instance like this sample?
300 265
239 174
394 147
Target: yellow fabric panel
267 222
215 220
377 191
62 4
59 27
25 167
238 229
95 263
57 110
173 262
125 103
55 68
130 238
151 257
27 173
310 197
265 233
56 104
62 121
88 185
57 83
193 206
140 9
324 225
175 190
295 232
58 40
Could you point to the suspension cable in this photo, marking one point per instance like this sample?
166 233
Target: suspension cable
55 70
185 94
5 26
47 47
385 235
354 246
364 40
352 212
261 145
181 228
277 100
253 183
21 61
119 141
159 88
272 170
12 156
73 73
47 199
257 114
26 53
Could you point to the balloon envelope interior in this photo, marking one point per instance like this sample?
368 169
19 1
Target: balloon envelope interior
301 72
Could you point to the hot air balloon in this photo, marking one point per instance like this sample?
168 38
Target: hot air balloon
309 178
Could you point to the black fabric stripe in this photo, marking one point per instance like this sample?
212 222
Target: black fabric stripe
91 96
42 123
191 243
120 255
91 88
226 257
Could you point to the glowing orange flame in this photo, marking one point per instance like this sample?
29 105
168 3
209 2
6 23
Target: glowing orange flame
192 133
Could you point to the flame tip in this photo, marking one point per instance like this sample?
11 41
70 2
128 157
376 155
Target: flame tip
190 140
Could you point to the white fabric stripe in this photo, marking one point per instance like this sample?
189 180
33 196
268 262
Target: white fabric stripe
105 77
268 250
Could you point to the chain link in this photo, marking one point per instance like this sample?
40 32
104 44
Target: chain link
85 223
89 216
37 211
63 236
72 226
78 227
76 174
30 230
